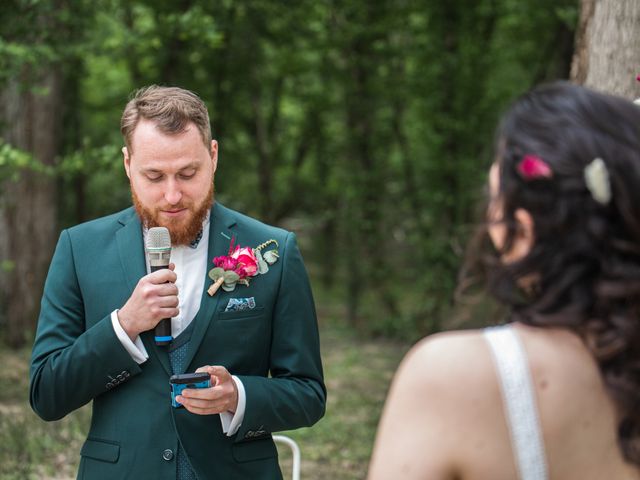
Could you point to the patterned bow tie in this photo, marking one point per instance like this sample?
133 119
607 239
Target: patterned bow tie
194 243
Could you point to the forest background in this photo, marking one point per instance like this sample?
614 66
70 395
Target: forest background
365 127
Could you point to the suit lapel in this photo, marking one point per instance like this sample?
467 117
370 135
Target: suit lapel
220 235
131 249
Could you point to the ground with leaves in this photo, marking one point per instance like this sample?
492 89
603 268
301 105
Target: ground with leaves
357 373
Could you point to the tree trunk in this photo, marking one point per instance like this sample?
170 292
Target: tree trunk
28 214
607 52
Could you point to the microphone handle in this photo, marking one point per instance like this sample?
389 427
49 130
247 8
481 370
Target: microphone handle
162 332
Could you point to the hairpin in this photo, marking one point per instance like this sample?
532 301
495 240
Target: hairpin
596 176
532 167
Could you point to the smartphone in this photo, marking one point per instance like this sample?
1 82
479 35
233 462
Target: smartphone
187 380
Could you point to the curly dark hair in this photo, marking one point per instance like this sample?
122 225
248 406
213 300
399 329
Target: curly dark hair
586 254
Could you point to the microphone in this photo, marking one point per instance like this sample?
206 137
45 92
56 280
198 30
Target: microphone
159 252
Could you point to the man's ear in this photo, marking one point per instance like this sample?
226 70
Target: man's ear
214 155
524 236
127 161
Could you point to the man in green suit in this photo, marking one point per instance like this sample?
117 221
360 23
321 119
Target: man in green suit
259 343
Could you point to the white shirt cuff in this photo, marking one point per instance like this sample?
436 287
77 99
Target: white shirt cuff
231 421
136 349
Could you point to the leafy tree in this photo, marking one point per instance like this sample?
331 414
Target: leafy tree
38 39
366 128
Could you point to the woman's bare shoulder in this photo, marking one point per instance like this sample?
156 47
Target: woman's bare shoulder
445 400
561 354
451 362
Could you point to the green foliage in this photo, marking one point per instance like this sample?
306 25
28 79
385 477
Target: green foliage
367 128
33 449
89 160
13 161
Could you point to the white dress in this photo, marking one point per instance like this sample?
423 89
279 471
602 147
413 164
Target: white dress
519 401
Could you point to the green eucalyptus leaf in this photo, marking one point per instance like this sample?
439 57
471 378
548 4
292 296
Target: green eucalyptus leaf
263 266
231 277
228 288
216 273
271 256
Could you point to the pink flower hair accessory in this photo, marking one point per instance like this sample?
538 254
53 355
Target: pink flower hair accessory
532 167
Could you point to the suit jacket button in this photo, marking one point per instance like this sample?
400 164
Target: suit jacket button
167 455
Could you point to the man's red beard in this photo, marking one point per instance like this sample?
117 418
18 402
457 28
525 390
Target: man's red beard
184 230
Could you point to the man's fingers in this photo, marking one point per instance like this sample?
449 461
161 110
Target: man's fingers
206 394
204 369
167 289
220 397
168 301
202 407
204 411
218 374
162 276
201 402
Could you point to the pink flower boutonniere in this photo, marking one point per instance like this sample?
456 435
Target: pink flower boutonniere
240 264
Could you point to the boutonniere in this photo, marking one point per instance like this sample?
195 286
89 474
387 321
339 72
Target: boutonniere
240 264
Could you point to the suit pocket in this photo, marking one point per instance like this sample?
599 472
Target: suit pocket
101 450
239 314
254 450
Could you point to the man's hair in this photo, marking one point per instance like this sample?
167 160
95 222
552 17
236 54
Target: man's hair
170 108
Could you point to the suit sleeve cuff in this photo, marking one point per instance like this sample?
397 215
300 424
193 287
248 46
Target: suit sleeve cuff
136 349
231 421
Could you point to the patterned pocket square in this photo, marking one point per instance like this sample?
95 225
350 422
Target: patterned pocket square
238 304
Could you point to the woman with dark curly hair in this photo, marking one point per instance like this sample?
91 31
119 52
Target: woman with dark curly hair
554 393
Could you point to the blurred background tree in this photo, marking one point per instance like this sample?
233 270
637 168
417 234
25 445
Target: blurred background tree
607 51
365 127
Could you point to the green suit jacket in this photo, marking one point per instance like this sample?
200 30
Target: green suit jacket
77 358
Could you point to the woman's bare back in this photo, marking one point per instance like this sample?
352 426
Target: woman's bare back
446 411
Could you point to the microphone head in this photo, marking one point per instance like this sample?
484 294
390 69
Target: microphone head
158 238
158 246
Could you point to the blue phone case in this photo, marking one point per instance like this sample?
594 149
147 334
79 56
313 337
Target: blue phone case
187 380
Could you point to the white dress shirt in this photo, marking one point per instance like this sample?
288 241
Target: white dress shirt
191 269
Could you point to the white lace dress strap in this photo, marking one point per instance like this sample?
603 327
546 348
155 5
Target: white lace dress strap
519 401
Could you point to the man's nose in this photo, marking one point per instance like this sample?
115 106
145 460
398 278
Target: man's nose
173 194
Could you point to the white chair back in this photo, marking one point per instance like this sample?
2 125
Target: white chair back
295 450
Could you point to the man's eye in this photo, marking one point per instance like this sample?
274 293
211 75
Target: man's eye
187 175
154 179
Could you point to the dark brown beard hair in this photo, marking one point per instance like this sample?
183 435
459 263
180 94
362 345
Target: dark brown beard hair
180 234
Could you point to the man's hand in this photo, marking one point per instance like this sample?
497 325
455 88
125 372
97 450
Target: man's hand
154 298
222 396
